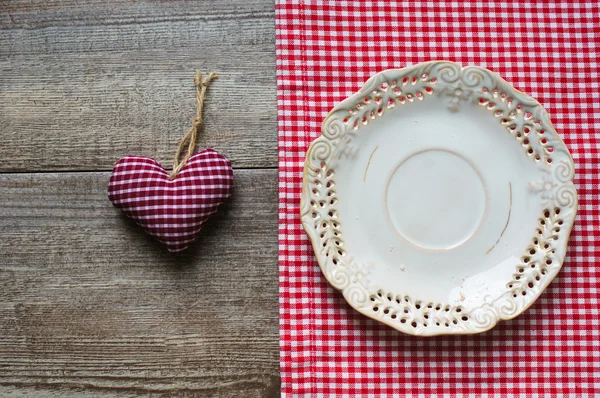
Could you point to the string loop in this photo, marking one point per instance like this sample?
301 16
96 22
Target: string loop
188 142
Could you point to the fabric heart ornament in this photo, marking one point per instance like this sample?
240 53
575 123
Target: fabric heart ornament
173 207
171 210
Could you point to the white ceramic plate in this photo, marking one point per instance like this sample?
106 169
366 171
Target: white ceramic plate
439 199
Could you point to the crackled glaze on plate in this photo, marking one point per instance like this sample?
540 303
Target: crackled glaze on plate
439 199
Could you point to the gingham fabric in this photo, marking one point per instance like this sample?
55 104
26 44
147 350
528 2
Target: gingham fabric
172 211
325 51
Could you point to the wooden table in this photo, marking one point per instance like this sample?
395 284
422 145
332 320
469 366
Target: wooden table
89 304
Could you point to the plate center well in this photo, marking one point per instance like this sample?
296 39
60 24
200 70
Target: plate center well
436 199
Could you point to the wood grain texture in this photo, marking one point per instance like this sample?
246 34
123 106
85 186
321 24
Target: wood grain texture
84 83
89 304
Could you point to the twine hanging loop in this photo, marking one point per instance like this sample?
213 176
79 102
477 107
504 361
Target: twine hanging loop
188 142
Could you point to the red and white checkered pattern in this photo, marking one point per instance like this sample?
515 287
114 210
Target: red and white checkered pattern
172 211
325 51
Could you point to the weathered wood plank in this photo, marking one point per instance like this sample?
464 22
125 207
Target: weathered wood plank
85 83
89 303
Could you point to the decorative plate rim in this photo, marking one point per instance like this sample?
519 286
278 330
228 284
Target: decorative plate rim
523 115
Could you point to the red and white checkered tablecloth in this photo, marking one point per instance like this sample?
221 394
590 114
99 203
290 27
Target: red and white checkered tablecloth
325 51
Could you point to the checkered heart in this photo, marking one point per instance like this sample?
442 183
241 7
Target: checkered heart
172 211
